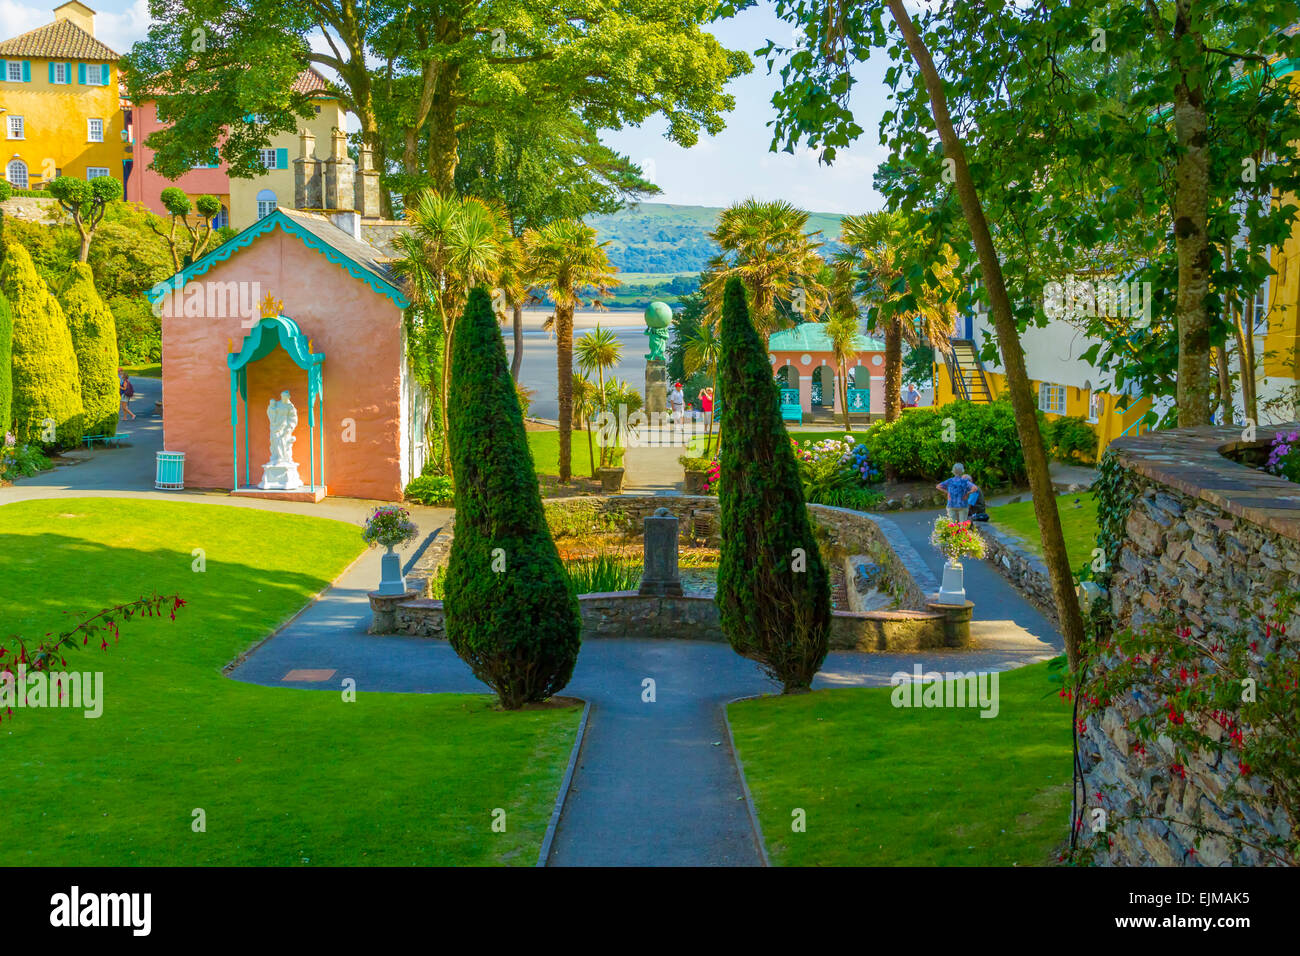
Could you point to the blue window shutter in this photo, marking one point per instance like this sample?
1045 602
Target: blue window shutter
51 71
282 159
4 70
27 71
106 74
81 73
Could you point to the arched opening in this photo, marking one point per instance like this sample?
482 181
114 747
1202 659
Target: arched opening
787 376
16 173
266 203
823 387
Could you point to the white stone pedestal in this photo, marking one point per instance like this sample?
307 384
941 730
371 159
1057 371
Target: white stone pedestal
953 588
280 477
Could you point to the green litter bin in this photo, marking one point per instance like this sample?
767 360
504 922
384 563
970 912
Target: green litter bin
171 471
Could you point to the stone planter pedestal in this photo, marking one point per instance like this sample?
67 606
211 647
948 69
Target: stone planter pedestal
383 609
694 484
953 588
956 624
611 480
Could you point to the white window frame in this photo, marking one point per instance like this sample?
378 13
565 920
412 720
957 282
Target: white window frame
67 74
26 183
22 128
269 205
95 172
90 130
15 66
263 154
96 74
1046 392
1096 402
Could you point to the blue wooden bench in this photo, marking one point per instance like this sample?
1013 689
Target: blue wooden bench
790 408
106 440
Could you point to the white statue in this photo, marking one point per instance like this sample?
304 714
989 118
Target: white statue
281 472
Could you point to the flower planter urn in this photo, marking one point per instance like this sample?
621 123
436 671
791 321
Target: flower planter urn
953 589
611 480
391 581
694 484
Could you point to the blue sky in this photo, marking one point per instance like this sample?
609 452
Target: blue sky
716 171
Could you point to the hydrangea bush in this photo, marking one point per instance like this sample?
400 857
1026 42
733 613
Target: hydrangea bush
838 473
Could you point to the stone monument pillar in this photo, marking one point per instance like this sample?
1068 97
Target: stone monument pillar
659 576
658 316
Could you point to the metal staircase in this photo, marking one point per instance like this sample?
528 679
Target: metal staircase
966 372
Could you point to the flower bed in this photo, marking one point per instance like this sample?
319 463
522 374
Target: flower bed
837 473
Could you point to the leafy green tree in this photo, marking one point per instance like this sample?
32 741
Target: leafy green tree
597 351
773 589
85 202
196 236
6 366
881 245
512 614
564 258
94 339
418 74
842 329
46 386
542 168
766 245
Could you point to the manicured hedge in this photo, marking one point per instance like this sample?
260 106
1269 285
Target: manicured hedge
512 614
94 338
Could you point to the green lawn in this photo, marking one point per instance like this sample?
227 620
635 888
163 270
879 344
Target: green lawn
153 370
1079 525
285 776
910 787
545 446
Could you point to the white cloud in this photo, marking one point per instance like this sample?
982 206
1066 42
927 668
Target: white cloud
16 18
121 30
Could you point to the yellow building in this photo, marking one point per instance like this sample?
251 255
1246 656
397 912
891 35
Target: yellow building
251 199
59 102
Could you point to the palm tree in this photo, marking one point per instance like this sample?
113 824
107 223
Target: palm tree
598 350
764 244
842 329
563 257
879 246
585 398
453 244
702 349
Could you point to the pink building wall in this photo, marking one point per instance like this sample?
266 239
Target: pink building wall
360 332
145 186
865 362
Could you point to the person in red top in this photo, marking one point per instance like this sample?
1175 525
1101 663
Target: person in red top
706 405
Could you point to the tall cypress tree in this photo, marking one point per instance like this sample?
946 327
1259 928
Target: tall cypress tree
46 384
94 338
511 611
6 366
773 589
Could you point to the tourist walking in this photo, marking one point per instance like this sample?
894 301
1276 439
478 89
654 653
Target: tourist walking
125 392
706 406
958 488
912 397
676 401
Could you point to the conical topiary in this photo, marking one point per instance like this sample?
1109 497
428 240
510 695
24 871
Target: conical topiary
47 406
773 589
94 339
511 611
6 366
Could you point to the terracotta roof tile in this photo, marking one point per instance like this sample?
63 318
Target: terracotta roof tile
309 81
61 39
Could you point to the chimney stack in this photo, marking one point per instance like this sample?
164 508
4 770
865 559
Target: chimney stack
367 185
339 175
306 174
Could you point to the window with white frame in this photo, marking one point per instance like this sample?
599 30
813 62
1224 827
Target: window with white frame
1096 402
96 74
265 203
61 73
16 173
14 71
94 131
1051 398
268 158
94 172
17 128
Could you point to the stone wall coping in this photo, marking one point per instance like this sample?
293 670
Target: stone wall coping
1192 461
1010 542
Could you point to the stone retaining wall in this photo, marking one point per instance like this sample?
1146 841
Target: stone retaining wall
695 617
1202 534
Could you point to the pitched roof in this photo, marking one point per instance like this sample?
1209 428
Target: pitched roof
309 81
61 39
812 337
359 259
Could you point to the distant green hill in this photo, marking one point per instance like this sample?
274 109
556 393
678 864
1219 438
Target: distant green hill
661 238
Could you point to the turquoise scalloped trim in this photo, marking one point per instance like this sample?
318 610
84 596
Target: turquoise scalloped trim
261 228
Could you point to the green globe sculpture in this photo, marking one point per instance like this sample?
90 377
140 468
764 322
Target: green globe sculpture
658 316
